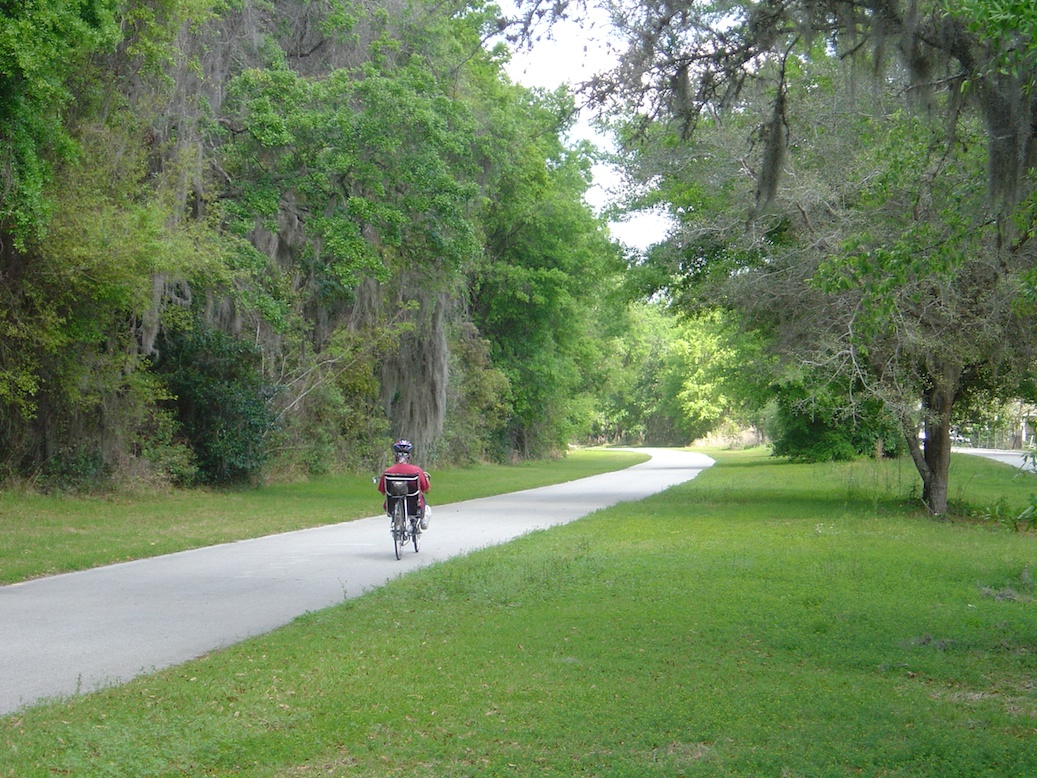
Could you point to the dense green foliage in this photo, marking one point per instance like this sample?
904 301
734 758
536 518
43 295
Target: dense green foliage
43 45
355 194
221 401
811 425
878 240
546 256
238 237
674 379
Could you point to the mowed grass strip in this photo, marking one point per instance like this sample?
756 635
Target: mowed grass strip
44 535
765 619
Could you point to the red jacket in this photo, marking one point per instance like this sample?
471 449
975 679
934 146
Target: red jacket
406 468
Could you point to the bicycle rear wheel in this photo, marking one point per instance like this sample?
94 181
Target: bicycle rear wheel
398 525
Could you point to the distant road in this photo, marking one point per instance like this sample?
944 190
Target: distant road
1014 458
79 632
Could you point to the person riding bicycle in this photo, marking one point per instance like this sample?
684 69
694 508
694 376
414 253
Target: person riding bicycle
402 450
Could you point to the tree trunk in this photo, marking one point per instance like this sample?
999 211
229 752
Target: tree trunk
938 457
414 378
933 457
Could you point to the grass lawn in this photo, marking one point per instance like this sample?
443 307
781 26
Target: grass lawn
765 619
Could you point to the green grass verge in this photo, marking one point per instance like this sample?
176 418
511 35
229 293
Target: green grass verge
766 619
44 535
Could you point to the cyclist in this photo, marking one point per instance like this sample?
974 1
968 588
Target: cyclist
402 450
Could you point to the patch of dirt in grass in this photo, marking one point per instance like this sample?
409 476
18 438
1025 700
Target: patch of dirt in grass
684 753
1015 702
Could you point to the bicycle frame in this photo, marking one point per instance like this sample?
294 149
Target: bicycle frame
403 506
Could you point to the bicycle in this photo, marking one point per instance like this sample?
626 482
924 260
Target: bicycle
403 507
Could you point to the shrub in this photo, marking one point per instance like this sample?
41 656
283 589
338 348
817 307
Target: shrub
820 427
221 401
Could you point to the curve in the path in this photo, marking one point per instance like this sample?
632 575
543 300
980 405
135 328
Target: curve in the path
81 631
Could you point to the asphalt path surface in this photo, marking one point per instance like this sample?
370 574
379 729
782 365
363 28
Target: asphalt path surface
75 633
1014 458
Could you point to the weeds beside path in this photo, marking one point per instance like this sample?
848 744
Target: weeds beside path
764 619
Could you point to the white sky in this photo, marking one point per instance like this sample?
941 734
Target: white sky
572 55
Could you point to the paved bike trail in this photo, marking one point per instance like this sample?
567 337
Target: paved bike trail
78 632
1015 458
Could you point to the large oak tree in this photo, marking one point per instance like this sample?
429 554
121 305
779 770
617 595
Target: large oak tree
885 241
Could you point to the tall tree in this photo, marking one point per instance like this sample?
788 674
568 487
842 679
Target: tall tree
882 262
80 257
547 270
877 273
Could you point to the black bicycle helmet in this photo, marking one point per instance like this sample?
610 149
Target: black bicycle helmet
402 448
